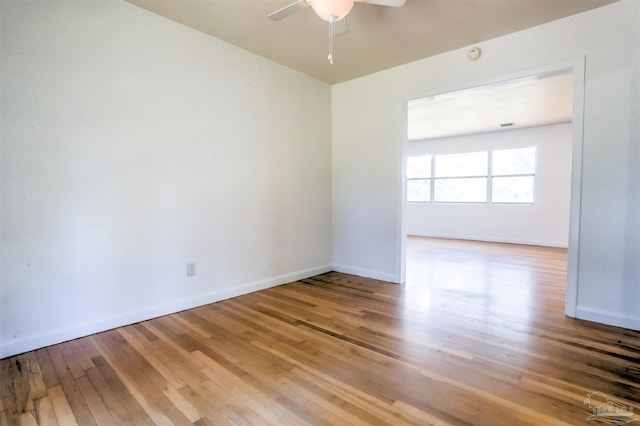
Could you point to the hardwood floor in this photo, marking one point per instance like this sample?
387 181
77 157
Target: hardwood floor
476 336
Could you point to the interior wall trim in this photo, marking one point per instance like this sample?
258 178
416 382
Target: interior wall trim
32 342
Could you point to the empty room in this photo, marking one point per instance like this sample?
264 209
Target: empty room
204 214
491 164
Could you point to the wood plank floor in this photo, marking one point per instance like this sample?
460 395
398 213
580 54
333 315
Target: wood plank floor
476 336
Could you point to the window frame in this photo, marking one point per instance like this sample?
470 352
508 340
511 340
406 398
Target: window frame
428 179
489 178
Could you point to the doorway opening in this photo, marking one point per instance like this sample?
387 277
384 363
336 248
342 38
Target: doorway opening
497 161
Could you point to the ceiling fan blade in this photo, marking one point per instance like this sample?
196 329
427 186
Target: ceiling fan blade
288 10
390 3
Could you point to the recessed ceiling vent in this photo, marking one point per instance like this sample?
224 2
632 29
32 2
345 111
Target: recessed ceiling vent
511 123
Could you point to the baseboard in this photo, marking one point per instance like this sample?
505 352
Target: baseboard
497 240
610 318
53 337
361 272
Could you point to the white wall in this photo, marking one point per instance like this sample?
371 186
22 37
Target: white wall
132 145
546 222
367 140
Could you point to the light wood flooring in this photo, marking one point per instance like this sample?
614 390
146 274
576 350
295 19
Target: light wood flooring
476 336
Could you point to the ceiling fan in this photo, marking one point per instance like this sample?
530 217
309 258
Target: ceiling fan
331 11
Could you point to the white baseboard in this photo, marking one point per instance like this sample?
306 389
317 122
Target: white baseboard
52 337
610 318
498 240
361 272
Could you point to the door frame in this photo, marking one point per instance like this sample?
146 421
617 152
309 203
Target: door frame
577 67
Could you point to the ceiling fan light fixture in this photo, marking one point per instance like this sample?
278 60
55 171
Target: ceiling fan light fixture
326 9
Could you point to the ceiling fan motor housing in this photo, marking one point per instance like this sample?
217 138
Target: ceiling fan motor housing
327 9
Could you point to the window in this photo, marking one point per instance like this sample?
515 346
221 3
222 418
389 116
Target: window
419 178
461 178
513 173
498 176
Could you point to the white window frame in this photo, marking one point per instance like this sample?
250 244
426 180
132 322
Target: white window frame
489 179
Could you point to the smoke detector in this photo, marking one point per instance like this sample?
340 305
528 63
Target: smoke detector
474 53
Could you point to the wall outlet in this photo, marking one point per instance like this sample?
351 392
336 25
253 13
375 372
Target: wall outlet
191 269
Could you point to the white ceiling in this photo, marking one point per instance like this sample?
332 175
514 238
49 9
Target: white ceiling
378 37
525 102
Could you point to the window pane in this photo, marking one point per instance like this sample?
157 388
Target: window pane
419 167
473 190
419 190
512 189
514 161
468 164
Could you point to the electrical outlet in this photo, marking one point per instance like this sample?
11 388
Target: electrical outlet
191 269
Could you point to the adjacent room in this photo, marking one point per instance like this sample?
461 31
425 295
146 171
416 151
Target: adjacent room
204 215
492 164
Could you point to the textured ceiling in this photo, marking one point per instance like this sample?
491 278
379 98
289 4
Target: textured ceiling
525 102
377 38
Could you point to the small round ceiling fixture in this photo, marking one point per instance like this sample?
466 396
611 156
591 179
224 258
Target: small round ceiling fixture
474 53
